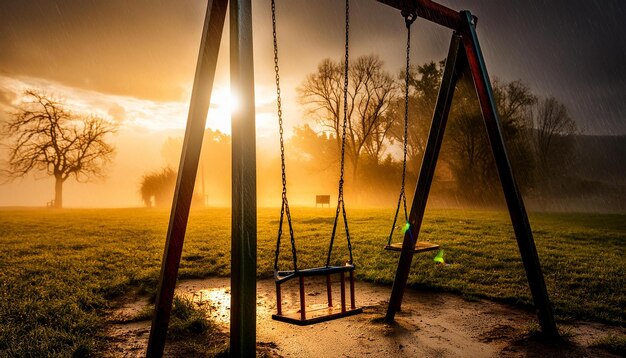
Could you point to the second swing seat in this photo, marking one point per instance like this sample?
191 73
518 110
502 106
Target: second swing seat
420 246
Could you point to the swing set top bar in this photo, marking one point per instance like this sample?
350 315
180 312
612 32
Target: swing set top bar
428 10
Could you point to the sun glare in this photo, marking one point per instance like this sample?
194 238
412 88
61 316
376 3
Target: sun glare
233 103
223 104
223 100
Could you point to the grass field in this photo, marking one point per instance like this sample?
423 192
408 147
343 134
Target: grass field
61 270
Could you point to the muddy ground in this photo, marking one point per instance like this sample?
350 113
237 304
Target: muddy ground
431 324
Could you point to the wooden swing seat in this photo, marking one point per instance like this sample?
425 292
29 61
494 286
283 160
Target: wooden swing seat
319 312
420 246
316 314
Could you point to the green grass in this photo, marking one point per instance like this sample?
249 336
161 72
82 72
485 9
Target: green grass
612 343
61 270
196 335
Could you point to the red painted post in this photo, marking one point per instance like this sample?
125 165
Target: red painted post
302 300
329 291
343 292
428 10
352 299
279 300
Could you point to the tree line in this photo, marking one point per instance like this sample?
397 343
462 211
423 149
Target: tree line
44 136
536 130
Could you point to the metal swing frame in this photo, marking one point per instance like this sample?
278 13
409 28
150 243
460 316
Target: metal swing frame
464 55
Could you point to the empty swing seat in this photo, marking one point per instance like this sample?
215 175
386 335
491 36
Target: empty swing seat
327 311
317 313
420 246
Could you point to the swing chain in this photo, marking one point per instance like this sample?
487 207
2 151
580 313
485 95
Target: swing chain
340 201
345 120
284 209
409 18
345 99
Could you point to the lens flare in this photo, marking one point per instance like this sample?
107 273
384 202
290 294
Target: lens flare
405 228
439 258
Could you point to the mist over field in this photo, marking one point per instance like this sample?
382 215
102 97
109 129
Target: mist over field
601 185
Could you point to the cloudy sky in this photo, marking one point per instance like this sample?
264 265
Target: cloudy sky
133 62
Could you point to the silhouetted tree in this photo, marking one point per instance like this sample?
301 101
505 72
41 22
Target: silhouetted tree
469 153
316 151
371 90
157 188
552 127
423 89
44 136
515 101
213 182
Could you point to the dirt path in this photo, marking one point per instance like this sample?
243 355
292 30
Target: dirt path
430 325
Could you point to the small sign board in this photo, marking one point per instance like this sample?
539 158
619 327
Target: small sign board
321 200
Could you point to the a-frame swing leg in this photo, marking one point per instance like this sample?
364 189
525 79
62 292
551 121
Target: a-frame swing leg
514 201
472 59
452 72
192 144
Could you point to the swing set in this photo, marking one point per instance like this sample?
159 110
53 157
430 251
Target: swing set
464 57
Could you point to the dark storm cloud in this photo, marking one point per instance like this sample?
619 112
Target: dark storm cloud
573 50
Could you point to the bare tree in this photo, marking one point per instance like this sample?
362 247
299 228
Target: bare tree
469 153
370 92
551 124
512 100
423 89
322 93
46 137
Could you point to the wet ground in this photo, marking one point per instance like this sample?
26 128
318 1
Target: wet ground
431 324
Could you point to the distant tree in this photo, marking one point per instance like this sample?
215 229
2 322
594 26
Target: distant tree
315 150
423 89
371 90
469 153
515 101
552 125
157 188
213 182
44 136
425 79
466 147
312 162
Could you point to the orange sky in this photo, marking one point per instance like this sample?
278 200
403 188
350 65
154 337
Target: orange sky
133 62
121 64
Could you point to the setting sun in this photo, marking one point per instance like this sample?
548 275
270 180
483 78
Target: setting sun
223 104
